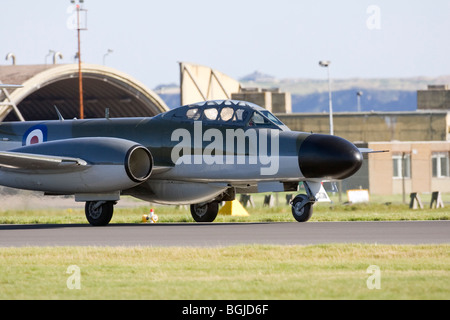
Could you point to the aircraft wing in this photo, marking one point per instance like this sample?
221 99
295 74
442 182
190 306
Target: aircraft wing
17 160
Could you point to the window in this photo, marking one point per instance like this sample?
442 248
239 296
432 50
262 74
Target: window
271 117
226 113
401 165
193 114
240 115
258 120
211 113
440 164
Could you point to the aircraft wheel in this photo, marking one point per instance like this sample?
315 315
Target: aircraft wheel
302 209
206 212
99 213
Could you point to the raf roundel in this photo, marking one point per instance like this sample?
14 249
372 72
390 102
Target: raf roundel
34 135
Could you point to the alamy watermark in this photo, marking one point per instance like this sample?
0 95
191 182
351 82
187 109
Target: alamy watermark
373 22
262 147
74 280
374 280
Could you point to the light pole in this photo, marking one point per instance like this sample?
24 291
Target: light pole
326 64
56 54
358 99
80 76
11 56
106 54
50 52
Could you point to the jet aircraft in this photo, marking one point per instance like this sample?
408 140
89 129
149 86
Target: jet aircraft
197 155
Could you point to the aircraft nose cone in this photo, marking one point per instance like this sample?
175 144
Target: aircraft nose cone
328 157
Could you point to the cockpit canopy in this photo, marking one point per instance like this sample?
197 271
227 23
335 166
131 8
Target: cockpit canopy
227 112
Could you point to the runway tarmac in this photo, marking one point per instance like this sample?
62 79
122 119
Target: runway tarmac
225 234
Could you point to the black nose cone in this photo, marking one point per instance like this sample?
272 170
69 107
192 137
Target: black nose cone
328 157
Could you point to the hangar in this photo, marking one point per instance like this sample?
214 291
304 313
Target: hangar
46 86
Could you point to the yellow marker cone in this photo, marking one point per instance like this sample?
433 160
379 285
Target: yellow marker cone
233 208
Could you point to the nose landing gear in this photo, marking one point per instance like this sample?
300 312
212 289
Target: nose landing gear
302 208
302 205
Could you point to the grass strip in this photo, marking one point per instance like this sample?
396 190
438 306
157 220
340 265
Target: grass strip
167 214
236 272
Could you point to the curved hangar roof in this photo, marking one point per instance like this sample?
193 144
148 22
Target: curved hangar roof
46 86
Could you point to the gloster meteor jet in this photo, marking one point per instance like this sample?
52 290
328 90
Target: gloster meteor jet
199 154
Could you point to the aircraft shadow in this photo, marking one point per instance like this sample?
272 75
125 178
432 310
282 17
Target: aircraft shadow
118 225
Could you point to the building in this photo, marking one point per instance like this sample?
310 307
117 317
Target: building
418 144
46 86
419 166
437 97
367 127
200 83
272 99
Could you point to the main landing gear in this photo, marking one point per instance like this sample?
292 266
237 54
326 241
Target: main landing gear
205 212
99 213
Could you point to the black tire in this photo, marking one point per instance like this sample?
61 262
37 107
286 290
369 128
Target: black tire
301 214
101 215
205 212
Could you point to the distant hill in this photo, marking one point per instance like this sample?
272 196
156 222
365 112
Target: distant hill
304 86
170 93
386 94
258 77
311 95
346 101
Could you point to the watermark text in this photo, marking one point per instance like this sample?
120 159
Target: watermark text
236 146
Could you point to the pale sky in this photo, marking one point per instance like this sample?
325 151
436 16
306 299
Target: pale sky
283 38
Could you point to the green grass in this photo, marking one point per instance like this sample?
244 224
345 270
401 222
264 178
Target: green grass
239 272
236 272
379 209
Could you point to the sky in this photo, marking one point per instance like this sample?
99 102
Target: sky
282 38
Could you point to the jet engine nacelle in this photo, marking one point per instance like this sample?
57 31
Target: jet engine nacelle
105 165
